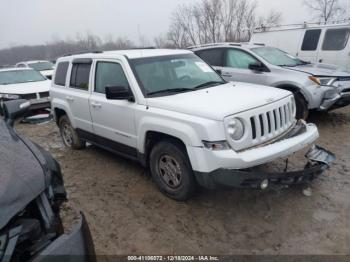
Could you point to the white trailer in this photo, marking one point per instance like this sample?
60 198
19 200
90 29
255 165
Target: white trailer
317 43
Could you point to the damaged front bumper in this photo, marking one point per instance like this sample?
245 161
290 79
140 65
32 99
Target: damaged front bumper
319 160
75 246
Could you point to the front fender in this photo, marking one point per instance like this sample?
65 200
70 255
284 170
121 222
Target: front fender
180 130
304 91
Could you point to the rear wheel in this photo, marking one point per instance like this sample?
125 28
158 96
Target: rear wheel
171 170
302 110
69 135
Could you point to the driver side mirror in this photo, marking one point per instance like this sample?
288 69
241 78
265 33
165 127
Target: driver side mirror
119 93
14 109
259 67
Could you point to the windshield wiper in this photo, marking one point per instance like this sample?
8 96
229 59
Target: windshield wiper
209 84
170 90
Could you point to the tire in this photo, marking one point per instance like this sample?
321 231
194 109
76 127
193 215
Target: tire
171 170
302 110
69 136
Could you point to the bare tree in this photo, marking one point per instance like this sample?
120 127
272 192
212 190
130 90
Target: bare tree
215 21
326 10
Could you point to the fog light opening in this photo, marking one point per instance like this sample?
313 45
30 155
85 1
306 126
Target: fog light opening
264 184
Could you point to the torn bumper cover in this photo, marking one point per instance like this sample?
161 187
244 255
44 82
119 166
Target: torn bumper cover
319 160
76 246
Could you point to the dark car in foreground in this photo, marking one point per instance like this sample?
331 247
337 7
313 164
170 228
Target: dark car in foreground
31 194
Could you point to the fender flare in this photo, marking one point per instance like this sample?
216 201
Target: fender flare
62 105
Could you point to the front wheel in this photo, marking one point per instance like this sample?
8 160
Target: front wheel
302 110
69 135
171 170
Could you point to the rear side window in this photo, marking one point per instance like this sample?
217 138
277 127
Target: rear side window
213 57
311 39
239 59
80 76
336 39
61 73
109 74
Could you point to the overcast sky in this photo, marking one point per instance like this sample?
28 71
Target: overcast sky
38 21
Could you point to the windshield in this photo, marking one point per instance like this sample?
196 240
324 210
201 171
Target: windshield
41 66
174 74
277 57
20 76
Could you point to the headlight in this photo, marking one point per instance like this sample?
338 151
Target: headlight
9 96
235 129
323 81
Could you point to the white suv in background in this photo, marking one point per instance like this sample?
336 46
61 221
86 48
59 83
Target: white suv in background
174 114
44 67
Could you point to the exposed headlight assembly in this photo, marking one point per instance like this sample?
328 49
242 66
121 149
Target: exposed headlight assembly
235 129
9 96
330 94
323 81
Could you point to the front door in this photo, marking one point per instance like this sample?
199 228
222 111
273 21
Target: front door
236 68
113 120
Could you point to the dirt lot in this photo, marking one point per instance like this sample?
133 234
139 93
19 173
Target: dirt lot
128 215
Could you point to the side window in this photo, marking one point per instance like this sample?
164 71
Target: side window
213 57
61 73
336 39
311 39
80 76
239 59
109 74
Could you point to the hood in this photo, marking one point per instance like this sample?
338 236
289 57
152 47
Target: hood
319 69
21 175
218 102
26 88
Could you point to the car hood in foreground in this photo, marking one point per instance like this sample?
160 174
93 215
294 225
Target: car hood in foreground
21 175
321 70
218 102
26 88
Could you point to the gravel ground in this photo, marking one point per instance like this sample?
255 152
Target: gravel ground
128 215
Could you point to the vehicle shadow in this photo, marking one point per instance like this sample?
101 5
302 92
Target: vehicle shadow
334 118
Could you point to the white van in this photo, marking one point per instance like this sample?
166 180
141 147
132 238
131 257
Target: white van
315 43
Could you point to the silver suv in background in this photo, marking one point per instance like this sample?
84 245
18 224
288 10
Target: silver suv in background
315 86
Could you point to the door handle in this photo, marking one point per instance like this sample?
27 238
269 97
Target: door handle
320 61
96 105
226 74
70 99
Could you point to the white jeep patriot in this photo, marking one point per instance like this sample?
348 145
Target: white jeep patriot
173 113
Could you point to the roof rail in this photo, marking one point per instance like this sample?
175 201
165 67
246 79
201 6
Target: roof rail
84 52
215 44
263 28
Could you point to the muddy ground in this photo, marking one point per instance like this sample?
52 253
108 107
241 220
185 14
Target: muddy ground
128 215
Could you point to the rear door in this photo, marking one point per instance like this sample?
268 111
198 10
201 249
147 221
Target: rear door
310 45
236 67
113 120
71 88
336 47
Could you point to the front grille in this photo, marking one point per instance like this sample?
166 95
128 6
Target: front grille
44 94
29 96
272 122
266 123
